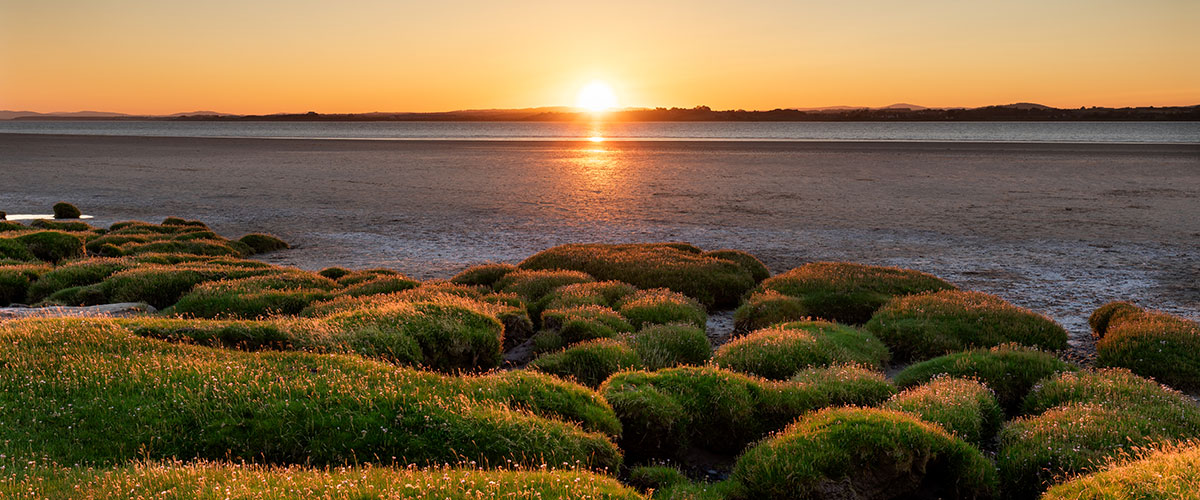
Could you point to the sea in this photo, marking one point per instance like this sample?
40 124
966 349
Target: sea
1003 132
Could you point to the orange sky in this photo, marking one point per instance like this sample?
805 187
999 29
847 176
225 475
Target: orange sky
263 56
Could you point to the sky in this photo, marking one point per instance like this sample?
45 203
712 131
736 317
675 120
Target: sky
267 56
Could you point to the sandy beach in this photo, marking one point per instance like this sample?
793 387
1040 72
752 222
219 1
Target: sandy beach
1058 228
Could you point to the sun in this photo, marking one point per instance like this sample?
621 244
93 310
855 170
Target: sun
596 97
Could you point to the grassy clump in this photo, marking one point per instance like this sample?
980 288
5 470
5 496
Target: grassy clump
11 249
1153 344
598 293
188 237
590 363
70 227
1010 370
198 480
715 282
779 352
282 292
535 287
263 243
64 210
1082 419
1107 313
16 279
483 274
656 477
653 348
49 246
850 293
8 225
927 325
380 285
1164 473
965 408
579 323
847 384
334 272
766 308
75 274
90 392
669 410
161 285
660 306
863 453
757 269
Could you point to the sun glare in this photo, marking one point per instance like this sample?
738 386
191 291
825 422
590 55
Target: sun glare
596 97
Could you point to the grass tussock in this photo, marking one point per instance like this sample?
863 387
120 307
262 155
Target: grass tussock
1160 473
1080 420
652 348
580 323
598 293
766 308
863 453
65 226
280 293
667 411
923 326
715 282
483 275
1152 344
749 262
64 210
850 293
964 407
1010 370
1103 315
44 245
781 351
197 480
660 306
91 392
263 243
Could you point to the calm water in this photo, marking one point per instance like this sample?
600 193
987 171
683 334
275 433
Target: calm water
1049 132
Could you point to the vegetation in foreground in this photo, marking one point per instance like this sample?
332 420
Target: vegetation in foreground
1148 343
781 351
1009 370
1162 473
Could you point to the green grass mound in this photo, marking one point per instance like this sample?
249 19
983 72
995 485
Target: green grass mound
579 323
923 326
715 282
64 210
74 274
847 384
652 348
1010 370
334 272
766 308
161 285
1079 420
965 408
67 226
664 412
843 453
599 293
16 280
1169 473
590 363
380 285
283 292
660 306
757 269
1154 344
198 480
48 246
1107 313
850 293
90 392
535 287
188 237
779 352
7 225
263 243
483 274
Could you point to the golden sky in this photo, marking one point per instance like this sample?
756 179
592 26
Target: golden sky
265 56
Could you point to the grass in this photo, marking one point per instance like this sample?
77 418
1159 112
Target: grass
965 408
757 269
334 272
714 282
1153 344
483 274
579 323
923 326
380 285
90 392
847 384
75 274
667 411
779 352
1103 315
1080 420
661 346
161 285
599 293
1162 473
1009 369
47 246
67 226
767 308
263 243
660 306
173 236
850 293
535 287
64 210
211 480
15 281
281 292
863 453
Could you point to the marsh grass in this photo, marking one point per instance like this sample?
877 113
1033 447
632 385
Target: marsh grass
483 274
44 245
1159 473
849 293
923 326
1152 344
863 453
965 408
599 293
661 346
90 392
780 351
263 243
1010 370
660 306
1103 315
714 282
64 210
765 308
579 323
285 292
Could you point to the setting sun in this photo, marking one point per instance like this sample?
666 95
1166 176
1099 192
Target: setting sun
596 97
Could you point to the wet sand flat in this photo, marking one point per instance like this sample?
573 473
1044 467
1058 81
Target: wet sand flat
1058 228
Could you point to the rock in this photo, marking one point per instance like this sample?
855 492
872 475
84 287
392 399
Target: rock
120 310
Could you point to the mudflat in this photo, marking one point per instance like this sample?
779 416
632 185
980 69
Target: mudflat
1058 228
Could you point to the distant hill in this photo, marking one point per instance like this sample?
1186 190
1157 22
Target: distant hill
9 115
1025 105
